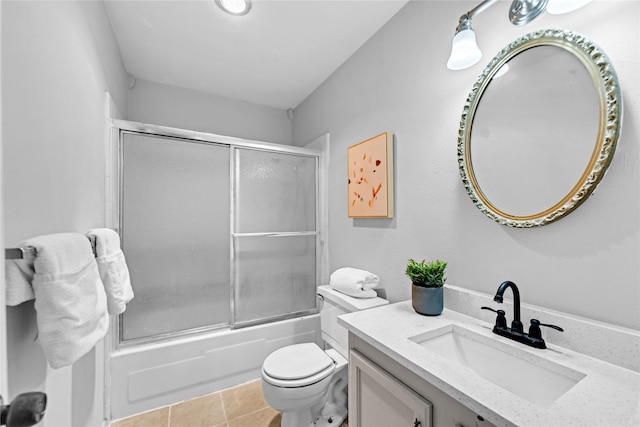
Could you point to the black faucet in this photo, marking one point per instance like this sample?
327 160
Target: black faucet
516 323
515 332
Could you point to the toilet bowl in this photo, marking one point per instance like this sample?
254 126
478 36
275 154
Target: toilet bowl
306 383
301 380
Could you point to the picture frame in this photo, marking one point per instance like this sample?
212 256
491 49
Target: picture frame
370 177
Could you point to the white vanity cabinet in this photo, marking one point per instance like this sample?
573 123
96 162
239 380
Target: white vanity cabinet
378 399
382 393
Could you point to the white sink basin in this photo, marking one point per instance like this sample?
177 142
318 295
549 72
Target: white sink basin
534 378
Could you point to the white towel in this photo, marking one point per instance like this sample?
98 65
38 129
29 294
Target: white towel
113 269
354 282
70 303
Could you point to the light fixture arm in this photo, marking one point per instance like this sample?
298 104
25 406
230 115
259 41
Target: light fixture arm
465 20
521 12
480 8
464 23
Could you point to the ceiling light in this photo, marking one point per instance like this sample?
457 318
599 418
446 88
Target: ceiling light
464 50
556 7
235 7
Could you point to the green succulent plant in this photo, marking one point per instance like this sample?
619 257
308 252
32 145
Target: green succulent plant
426 274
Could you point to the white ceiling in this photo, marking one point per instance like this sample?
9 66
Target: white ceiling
276 55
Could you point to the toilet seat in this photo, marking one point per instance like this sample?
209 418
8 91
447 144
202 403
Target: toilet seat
297 365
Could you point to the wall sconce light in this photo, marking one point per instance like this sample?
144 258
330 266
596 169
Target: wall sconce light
235 7
464 49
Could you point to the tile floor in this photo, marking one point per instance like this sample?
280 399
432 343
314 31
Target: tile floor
240 406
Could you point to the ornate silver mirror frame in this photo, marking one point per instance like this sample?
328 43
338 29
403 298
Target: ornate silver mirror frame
608 111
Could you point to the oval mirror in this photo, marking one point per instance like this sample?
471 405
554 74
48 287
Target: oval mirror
539 128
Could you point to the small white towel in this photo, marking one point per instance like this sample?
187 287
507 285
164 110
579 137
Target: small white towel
354 282
113 269
70 303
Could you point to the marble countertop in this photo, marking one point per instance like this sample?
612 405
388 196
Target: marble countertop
607 396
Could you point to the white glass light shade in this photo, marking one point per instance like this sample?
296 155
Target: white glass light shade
464 50
557 7
235 7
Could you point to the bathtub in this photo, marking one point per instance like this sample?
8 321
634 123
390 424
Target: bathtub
154 375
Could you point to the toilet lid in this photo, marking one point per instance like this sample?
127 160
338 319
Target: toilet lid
296 361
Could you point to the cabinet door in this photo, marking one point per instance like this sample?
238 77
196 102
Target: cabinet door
377 399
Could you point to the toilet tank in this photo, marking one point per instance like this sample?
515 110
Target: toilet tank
336 304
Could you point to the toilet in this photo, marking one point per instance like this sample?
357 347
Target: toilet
306 383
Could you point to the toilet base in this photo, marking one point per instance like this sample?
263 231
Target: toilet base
301 410
330 411
303 419
297 419
334 420
334 409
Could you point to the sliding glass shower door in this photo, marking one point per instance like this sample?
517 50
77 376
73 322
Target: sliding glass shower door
215 235
175 232
274 235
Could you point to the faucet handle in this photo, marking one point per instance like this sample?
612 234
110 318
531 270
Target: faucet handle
534 329
501 320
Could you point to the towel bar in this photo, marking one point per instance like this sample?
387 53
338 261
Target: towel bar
20 253
30 252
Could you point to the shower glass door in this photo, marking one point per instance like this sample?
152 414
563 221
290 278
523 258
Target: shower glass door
175 229
215 234
275 235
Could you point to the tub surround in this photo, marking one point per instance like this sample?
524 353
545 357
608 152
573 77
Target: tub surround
608 356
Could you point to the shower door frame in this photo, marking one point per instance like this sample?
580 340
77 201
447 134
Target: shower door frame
123 127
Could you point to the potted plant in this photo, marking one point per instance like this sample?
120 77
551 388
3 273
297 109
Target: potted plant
427 280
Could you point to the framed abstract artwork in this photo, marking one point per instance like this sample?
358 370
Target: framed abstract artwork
370 168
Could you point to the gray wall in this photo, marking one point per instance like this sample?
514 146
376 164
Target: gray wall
58 59
585 264
160 104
